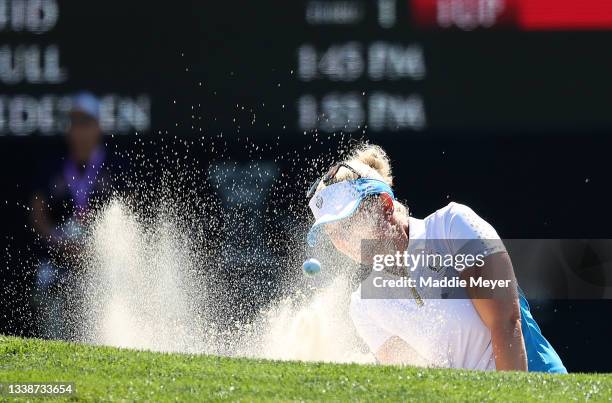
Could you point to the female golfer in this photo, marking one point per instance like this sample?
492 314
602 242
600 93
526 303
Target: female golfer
434 326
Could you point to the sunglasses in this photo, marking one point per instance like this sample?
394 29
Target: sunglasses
329 177
81 119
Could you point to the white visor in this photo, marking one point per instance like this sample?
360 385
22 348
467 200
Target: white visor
340 200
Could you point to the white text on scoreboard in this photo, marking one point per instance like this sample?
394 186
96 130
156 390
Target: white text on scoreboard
350 112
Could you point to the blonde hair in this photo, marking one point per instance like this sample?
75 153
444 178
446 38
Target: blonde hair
370 161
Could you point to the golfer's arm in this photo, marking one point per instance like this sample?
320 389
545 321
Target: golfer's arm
501 313
39 216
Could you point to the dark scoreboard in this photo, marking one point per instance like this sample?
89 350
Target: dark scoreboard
504 105
271 66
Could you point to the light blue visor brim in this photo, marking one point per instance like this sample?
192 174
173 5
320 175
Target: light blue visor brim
340 201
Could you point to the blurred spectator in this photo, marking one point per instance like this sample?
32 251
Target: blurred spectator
60 205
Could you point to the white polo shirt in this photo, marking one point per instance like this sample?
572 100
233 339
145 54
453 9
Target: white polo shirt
442 332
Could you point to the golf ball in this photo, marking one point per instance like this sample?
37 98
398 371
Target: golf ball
311 266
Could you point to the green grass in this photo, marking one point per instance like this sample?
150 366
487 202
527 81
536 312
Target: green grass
111 374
